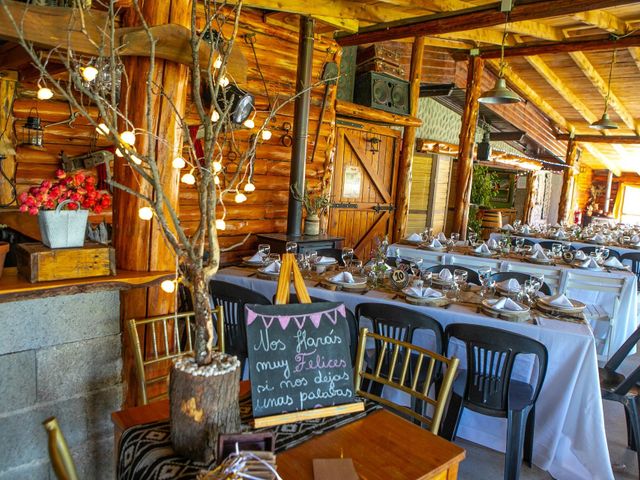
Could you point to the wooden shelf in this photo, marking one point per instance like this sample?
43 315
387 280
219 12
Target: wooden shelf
14 287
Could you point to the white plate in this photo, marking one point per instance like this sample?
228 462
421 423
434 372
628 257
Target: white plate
525 308
273 274
576 304
247 261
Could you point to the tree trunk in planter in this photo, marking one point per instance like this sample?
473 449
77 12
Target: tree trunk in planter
204 404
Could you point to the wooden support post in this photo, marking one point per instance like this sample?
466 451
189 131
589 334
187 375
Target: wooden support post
568 181
465 151
607 193
8 82
139 244
405 164
529 201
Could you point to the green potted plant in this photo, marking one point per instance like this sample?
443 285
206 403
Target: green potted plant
315 203
483 190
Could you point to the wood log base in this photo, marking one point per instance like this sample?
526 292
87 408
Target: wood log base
204 403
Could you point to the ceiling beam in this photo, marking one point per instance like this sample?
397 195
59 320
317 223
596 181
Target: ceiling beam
620 139
473 18
582 44
603 20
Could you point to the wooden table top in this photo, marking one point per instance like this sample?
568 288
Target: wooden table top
383 446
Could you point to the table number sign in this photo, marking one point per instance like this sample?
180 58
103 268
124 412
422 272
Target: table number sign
300 362
399 279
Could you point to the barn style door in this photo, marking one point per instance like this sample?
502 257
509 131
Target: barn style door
364 185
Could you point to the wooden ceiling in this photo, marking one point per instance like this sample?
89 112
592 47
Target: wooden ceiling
569 88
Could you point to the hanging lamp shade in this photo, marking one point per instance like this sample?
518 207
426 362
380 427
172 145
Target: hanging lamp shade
605 123
500 94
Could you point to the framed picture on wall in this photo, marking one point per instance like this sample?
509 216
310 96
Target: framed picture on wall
504 196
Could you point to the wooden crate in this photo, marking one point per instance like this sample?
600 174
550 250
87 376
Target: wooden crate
38 263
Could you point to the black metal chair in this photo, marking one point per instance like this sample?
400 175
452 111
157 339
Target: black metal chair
548 244
232 298
333 253
486 387
398 323
351 321
588 250
472 275
521 277
616 387
634 259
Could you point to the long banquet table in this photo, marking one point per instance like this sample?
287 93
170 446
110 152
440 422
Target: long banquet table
626 318
570 441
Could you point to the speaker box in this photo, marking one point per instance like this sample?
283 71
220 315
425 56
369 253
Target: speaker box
382 91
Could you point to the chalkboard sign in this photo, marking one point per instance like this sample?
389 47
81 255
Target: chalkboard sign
299 357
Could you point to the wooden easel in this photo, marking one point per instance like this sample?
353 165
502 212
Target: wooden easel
289 266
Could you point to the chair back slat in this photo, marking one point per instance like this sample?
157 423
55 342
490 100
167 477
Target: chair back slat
59 454
419 390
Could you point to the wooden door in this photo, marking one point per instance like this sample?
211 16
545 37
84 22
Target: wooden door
364 185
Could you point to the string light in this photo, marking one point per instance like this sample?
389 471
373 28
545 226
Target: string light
44 93
128 137
188 178
168 286
249 123
217 63
119 152
89 73
178 163
249 187
224 82
145 213
136 160
216 180
266 134
220 224
217 166
240 197
102 129
215 116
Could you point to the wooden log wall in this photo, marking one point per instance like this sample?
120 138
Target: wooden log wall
265 210
584 180
599 178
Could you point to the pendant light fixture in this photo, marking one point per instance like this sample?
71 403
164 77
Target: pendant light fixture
500 94
605 123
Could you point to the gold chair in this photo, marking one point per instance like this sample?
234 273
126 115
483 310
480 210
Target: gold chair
418 370
168 342
59 454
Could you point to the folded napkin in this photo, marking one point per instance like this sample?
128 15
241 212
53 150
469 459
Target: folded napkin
421 292
492 244
557 225
539 255
580 255
442 237
559 301
414 237
435 243
484 249
511 285
273 267
320 260
257 258
591 264
526 229
635 239
560 234
343 277
537 248
613 262
445 275
505 304
507 227
598 238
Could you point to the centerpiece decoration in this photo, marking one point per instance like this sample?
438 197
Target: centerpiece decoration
315 203
202 147
62 206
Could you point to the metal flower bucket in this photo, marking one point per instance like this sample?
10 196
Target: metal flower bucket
63 229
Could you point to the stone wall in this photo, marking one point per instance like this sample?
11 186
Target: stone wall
59 356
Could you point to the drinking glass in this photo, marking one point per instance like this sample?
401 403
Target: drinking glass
539 281
264 249
291 247
450 291
460 278
455 237
312 255
273 257
519 244
473 238
356 267
556 250
427 278
484 272
488 289
605 253
347 255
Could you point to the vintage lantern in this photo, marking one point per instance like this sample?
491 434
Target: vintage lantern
32 131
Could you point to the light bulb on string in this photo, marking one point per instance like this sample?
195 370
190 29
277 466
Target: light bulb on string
136 160
217 166
119 152
44 93
220 224
102 129
215 116
216 180
249 187
128 137
89 73
168 286
240 197
266 134
145 213
188 178
178 163
217 63
249 123
224 81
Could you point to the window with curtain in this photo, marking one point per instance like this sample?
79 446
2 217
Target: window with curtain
631 205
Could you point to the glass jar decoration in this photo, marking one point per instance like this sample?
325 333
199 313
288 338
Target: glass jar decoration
32 131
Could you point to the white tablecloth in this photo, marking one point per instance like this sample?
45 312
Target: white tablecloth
570 441
621 250
625 321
